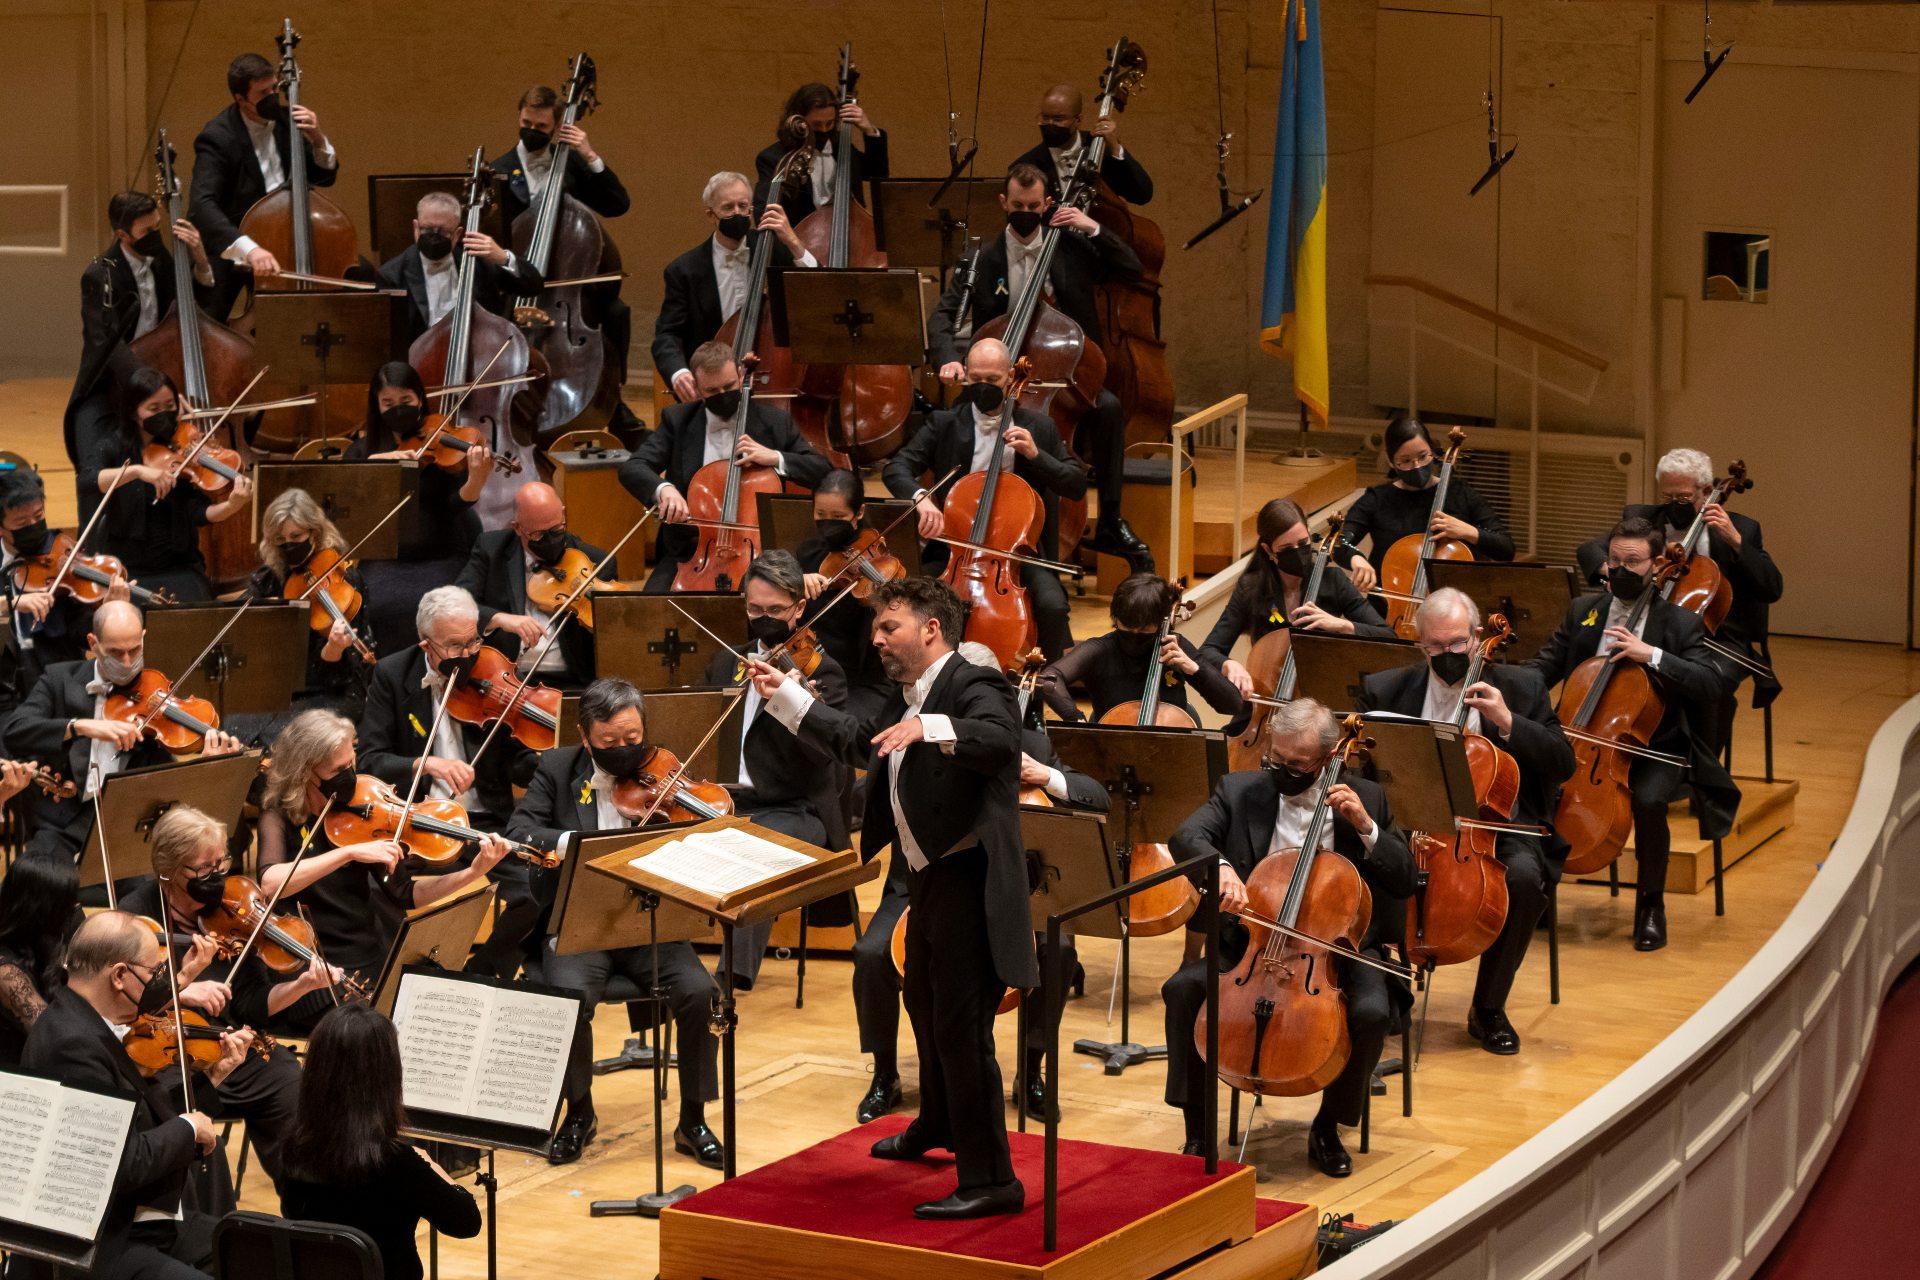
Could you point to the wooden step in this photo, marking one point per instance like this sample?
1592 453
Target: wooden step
1766 809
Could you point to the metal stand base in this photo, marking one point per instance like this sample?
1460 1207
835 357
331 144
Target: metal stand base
635 1055
646 1206
1119 1056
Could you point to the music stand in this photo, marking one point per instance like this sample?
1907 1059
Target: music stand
254 670
313 341
932 236
1329 669
132 800
786 520
47 1098
851 315
1422 766
354 495
439 936
1185 765
1534 597
645 639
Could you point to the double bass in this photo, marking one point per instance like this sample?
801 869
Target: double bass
995 508
1403 570
1700 587
296 224
1270 664
749 331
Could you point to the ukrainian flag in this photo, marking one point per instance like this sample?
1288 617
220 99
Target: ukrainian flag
1293 305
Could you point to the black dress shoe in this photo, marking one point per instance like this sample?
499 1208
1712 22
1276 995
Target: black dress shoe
699 1142
1325 1151
882 1097
1650 925
908 1144
1116 537
1035 1101
1493 1031
1195 1147
572 1140
980 1202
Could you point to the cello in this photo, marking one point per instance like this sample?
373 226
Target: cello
995 508
749 331
724 546
1403 570
1700 587
563 239
855 414
1147 709
1270 663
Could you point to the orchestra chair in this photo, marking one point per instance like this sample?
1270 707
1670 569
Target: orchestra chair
261 1246
638 1052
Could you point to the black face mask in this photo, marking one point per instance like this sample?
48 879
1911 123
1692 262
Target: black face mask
1625 583
161 425
401 421
534 140
1057 135
150 245
339 787
1289 780
455 669
1134 644
1414 477
837 534
549 546
207 889
723 404
157 994
769 631
622 762
1296 561
987 397
1024 222
1678 513
1450 666
296 554
31 539
271 107
735 226
434 244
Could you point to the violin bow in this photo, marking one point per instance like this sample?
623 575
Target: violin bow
191 667
347 557
450 414
173 982
80 539
266 915
106 864
259 406
186 459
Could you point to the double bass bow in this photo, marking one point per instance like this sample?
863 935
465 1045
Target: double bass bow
1403 570
1270 662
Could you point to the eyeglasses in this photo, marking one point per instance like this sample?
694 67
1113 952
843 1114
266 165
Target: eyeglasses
1456 646
460 648
767 611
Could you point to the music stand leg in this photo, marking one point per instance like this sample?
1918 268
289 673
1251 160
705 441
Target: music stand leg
1766 729
433 1252
1124 1053
492 1184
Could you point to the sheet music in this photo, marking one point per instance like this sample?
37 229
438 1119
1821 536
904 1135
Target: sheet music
484 1052
719 863
526 1058
440 1023
59 1153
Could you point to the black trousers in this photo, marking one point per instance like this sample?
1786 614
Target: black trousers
690 992
1654 786
261 1091
1100 438
790 818
1527 877
1051 614
1043 1024
952 993
522 907
660 581
876 987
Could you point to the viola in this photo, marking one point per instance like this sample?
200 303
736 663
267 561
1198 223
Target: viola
206 466
86 579
435 830
491 689
995 508
1270 664
1147 709
550 586
154 1041
285 942
1403 570
1700 587
181 723
662 792
48 781
725 546
897 949
322 581
869 559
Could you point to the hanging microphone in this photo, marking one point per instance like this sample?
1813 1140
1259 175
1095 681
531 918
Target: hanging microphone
960 163
1498 162
1228 212
1712 65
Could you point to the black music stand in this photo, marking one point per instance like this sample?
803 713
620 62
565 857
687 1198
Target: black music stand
645 639
356 496
1157 778
439 936
315 340
131 801
931 236
254 670
1329 669
1534 597
786 521
851 315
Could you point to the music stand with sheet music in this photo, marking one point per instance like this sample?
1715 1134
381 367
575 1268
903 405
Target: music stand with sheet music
439 935
851 315
132 800
786 521
254 670
1329 669
645 639
313 341
99 1123
917 230
1533 597
1157 778
356 496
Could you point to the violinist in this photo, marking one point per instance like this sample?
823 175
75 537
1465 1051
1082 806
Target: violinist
943 770
573 791
1249 816
1267 598
1509 706
846 633
1112 669
786 784
1063 145
430 272
964 437
708 429
708 283
293 530
115 974
819 109
124 294
63 724
1085 259
45 628
241 155
1403 505
1732 538
496 576
445 526
1670 643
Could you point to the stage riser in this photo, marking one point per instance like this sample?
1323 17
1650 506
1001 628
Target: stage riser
1766 810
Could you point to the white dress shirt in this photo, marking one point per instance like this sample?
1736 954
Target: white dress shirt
537 166
552 659
149 297
824 164
1443 703
448 745
983 440
103 758
1066 160
443 286
750 708
1021 260
732 273
273 172
1290 825
1617 611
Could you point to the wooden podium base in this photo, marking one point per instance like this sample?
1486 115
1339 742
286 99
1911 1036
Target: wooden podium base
1125 1214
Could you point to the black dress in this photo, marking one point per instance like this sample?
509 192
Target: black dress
159 542
389 1207
1389 513
847 636
340 686
355 909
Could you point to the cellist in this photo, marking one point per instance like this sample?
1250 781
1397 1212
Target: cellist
1509 705
1112 669
1402 506
1671 644
1063 145
1249 816
818 108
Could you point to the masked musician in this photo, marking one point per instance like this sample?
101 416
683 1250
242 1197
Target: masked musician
293 530
1402 506
44 627
496 575
429 269
1112 669
846 633
819 108
1064 144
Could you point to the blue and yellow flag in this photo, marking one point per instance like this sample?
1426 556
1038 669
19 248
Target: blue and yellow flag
1293 305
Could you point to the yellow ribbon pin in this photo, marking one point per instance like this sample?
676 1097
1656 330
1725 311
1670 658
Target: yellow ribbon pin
1275 616
586 793
1593 616
418 728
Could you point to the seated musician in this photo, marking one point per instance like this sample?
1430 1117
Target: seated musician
1085 259
39 907
1509 706
707 285
573 791
839 503
1112 669
124 294
1263 811
429 270
963 437
1268 595
444 526
496 575
43 627
660 472
241 155
153 521
63 725
394 743
820 108
115 973
1732 539
354 894
293 530
1063 146
1670 643
190 869
1403 506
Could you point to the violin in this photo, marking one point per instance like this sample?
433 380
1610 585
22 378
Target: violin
1403 570
435 832
286 942
995 508
1270 663
1460 904
86 580
1609 711
491 688
725 547
154 1041
188 455
871 561
181 723
442 443
48 781
897 949
1700 587
1148 709
662 792
1282 1012
323 582
549 586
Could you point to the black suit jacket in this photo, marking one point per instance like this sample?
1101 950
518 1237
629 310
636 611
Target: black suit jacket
1080 264
869 163
494 287
1253 609
945 441
672 454
954 797
1082 791
1123 174
109 312
601 192
783 768
495 575
36 730
690 305
226 177
393 734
